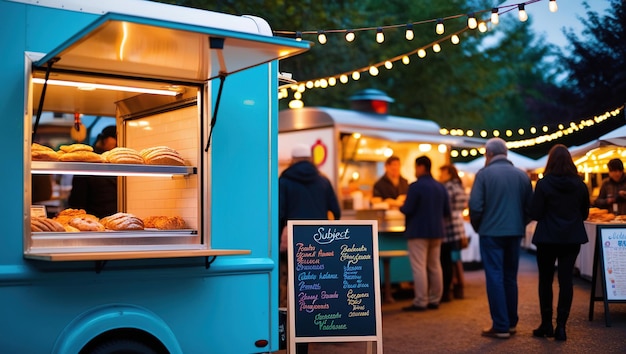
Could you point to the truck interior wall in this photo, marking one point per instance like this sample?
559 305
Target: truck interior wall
165 195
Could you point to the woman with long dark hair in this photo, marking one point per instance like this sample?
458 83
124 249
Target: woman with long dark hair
560 205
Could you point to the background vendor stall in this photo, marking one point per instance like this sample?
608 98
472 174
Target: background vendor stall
350 148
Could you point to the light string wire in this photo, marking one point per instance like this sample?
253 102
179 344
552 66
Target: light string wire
300 87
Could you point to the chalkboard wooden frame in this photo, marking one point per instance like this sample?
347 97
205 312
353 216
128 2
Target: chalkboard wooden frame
603 271
334 282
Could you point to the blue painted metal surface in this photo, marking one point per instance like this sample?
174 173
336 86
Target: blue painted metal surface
59 307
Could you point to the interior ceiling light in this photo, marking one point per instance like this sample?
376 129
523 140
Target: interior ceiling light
85 86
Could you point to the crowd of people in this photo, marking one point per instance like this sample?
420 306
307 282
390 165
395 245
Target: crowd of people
501 204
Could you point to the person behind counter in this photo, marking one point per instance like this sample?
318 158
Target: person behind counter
97 195
612 194
391 187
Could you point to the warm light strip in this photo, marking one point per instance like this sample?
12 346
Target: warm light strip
90 86
101 173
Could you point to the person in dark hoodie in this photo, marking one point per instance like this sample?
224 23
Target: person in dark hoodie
560 204
303 194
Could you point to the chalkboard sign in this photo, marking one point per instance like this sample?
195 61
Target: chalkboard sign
609 268
334 283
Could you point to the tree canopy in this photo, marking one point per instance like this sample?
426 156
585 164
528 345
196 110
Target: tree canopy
494 80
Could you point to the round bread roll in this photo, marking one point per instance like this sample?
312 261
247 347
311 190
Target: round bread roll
86 224
162 155
65 216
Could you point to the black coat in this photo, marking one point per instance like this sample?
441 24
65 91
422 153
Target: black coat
560 205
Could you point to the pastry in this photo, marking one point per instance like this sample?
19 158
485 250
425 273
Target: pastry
43 153
75 147
165 222
80 156
86 224
66 215
122 221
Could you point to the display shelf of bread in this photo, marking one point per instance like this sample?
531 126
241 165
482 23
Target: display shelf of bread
602 215
75 228
120 161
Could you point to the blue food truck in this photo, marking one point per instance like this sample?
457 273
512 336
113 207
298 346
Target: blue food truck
199 84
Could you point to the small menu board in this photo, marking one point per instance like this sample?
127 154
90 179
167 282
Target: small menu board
613 246
334 283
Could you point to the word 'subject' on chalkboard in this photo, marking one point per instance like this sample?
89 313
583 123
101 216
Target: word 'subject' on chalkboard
334 286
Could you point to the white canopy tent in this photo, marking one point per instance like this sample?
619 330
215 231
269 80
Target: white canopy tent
520 161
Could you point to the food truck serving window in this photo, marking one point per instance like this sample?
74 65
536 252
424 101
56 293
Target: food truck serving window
160 167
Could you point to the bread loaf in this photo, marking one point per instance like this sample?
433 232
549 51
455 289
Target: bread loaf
86 224
65 216
162 155
123 155
45 225
43 153
122 221
75 148
165 222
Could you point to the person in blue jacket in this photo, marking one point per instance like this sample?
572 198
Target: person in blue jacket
499 207
560 205
426 205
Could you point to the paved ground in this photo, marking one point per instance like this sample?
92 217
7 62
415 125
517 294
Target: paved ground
455 327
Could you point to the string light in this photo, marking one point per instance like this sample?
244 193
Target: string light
373 70
388 65
495 18
421 53
350 36
408 34
436 48
553 6
439 29
321 37
455 39
406 60
482 27
471 21
523 16
298 36
380 37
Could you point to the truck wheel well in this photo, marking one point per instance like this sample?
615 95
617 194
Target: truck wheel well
121 337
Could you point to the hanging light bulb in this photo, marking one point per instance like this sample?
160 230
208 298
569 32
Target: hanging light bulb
440 28
295 104
409 35
321 37
455 39
421 53
471 21
298 36
495 18
482 27
350 36
436 48
553 6
523 16
343 78
380 37
356 75
373 70
406 60
388 64
332 81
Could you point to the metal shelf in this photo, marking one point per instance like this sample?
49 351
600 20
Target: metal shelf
108 169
